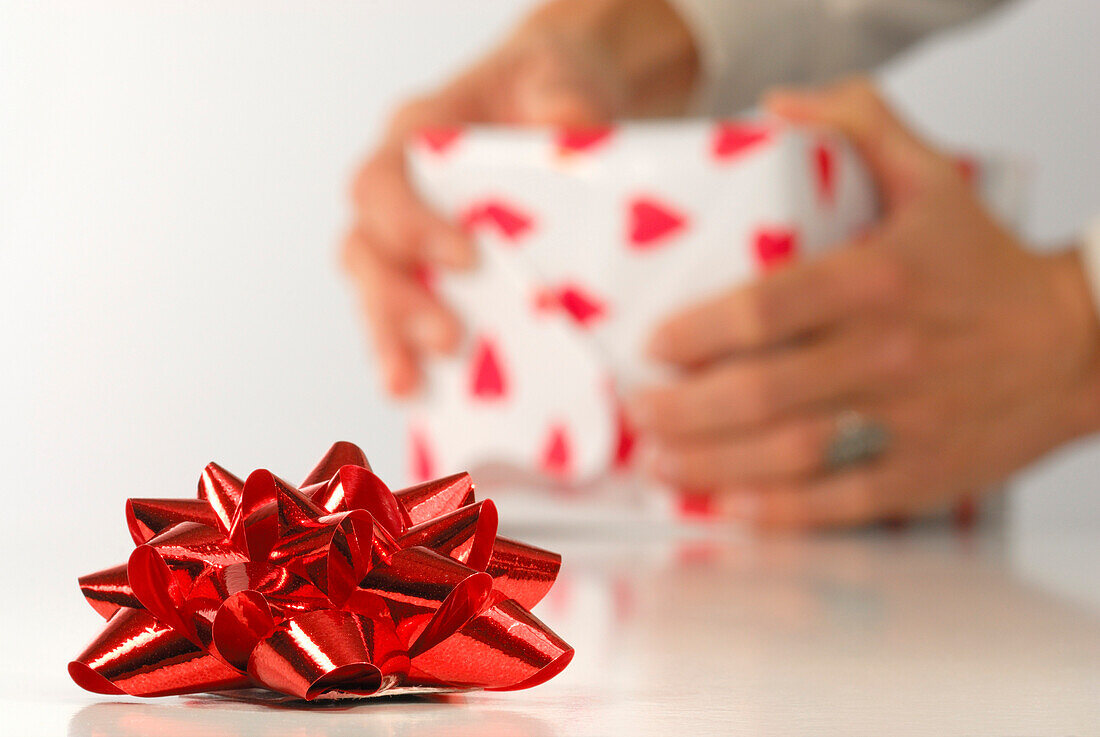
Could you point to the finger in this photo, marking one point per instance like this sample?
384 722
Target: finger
404 227
895 155
740 394
405 319
788 451
795 448
562 107
781 306
396 357
856 497
397 360
404 299
556 85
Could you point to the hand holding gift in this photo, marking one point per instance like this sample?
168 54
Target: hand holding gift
569 64
877 399
966 354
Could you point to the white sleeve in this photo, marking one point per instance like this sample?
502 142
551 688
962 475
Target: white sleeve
746 46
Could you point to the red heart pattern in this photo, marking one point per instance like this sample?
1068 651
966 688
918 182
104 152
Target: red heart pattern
487 377
584 307
421 463
507 220
652 222
581 305
732 139
439 140
576 140
824 165
557 453
625 439
775 246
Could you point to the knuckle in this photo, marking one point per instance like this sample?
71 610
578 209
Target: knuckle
939 174
900 354
407 233
408 113
691 466
925 421
887 279
803 447
866 108
668 414
756 391
863 497
860 89
755 315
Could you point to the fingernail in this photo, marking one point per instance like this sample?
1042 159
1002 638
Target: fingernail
451 250
398 383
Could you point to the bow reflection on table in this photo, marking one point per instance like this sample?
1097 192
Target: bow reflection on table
218 718
339 588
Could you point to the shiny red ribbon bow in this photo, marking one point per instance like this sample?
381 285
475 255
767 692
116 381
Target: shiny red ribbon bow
341 588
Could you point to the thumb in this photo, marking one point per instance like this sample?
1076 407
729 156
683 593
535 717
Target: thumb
569 108
558 102
558 83
898 159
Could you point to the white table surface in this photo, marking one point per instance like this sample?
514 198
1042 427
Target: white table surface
923 631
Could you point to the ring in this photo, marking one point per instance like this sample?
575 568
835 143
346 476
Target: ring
856 440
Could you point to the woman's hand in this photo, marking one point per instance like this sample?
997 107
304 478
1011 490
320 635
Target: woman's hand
572 63
973 354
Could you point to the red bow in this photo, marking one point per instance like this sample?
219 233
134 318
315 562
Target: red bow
339 588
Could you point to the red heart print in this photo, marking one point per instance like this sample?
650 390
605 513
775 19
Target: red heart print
575 140
697 503
487 379
625 440
439 140
583 306
509 221
652 222
421 463
824 161
557 453
775 246
731 139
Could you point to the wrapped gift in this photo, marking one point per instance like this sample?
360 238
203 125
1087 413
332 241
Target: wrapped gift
587 240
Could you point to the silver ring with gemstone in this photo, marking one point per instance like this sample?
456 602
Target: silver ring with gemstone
855 440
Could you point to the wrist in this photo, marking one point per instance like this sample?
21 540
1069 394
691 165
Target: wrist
1079 307
1091 401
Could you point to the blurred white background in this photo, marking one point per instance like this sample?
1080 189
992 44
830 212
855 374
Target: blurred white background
173 186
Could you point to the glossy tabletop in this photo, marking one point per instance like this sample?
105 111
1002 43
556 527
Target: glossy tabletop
703 631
